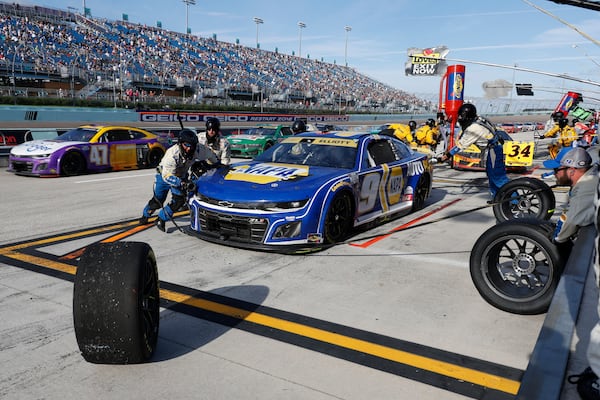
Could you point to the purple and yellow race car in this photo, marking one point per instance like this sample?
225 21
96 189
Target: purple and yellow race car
89 148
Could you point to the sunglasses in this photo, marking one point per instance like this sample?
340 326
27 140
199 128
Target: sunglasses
560 169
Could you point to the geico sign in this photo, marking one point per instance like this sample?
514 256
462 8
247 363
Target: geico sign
229 118
191 118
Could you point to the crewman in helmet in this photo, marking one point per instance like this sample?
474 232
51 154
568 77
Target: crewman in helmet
172 175
213 139
404 132
476 128
566 136
428 134
298 126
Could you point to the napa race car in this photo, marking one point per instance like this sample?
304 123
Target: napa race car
256 140
89 148
310 190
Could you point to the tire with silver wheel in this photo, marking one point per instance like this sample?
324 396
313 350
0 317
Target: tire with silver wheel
524 198
515 266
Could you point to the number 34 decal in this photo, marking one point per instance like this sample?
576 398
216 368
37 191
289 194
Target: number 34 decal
518 153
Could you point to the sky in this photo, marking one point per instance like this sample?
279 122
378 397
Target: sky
489 37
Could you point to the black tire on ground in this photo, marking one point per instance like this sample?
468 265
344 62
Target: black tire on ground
153 157
422 192
72 164
524 198
515 266
339 218
116 303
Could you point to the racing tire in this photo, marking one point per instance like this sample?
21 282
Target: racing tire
72 164
516 267
421 192
116 303
153 158
339 219
524 198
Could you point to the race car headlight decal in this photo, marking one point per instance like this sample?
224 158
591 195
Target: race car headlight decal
256 205
283 205
288 230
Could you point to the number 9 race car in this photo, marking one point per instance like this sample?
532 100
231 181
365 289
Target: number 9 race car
309 190
89 148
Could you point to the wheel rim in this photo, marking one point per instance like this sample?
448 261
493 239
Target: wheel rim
150 300
421 193
72 164
339 218
517 268
522 203
154 158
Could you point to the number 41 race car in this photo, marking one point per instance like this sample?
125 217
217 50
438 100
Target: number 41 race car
309 190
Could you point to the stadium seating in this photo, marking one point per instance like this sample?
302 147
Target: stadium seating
102 56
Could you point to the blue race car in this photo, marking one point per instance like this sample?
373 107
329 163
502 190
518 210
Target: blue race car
309 191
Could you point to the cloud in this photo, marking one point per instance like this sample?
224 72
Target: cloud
497 88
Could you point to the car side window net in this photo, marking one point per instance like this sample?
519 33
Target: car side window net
381 152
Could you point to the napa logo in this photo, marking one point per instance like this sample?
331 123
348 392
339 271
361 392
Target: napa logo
265 173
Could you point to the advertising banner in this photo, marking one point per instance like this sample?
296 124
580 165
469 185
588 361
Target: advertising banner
426 62
191 116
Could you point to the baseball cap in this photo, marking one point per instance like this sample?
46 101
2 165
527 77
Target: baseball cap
575 157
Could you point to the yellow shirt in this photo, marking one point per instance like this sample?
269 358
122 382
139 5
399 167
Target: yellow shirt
402 132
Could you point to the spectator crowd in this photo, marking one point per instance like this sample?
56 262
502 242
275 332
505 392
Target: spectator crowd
38 41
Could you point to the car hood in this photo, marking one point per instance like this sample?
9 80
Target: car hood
40 147
246 138
257 181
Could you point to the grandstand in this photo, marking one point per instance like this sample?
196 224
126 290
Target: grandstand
48 52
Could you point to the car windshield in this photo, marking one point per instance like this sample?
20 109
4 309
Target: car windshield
77 135
260 132
313 152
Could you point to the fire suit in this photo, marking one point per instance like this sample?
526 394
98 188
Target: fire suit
566 136
220 146
172 173
479 130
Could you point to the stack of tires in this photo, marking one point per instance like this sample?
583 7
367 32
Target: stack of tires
515 265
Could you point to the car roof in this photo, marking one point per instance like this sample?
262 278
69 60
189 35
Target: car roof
99 127
336 134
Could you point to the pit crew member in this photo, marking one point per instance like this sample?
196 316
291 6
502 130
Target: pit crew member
172 174
476 128
213 139
567 135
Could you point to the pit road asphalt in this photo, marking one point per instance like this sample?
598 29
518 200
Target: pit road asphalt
394 317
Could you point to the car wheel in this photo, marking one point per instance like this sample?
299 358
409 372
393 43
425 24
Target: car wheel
524 198
422 192
515 266
153 158
116 303
339 218
72 164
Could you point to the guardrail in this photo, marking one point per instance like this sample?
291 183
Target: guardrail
545 374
